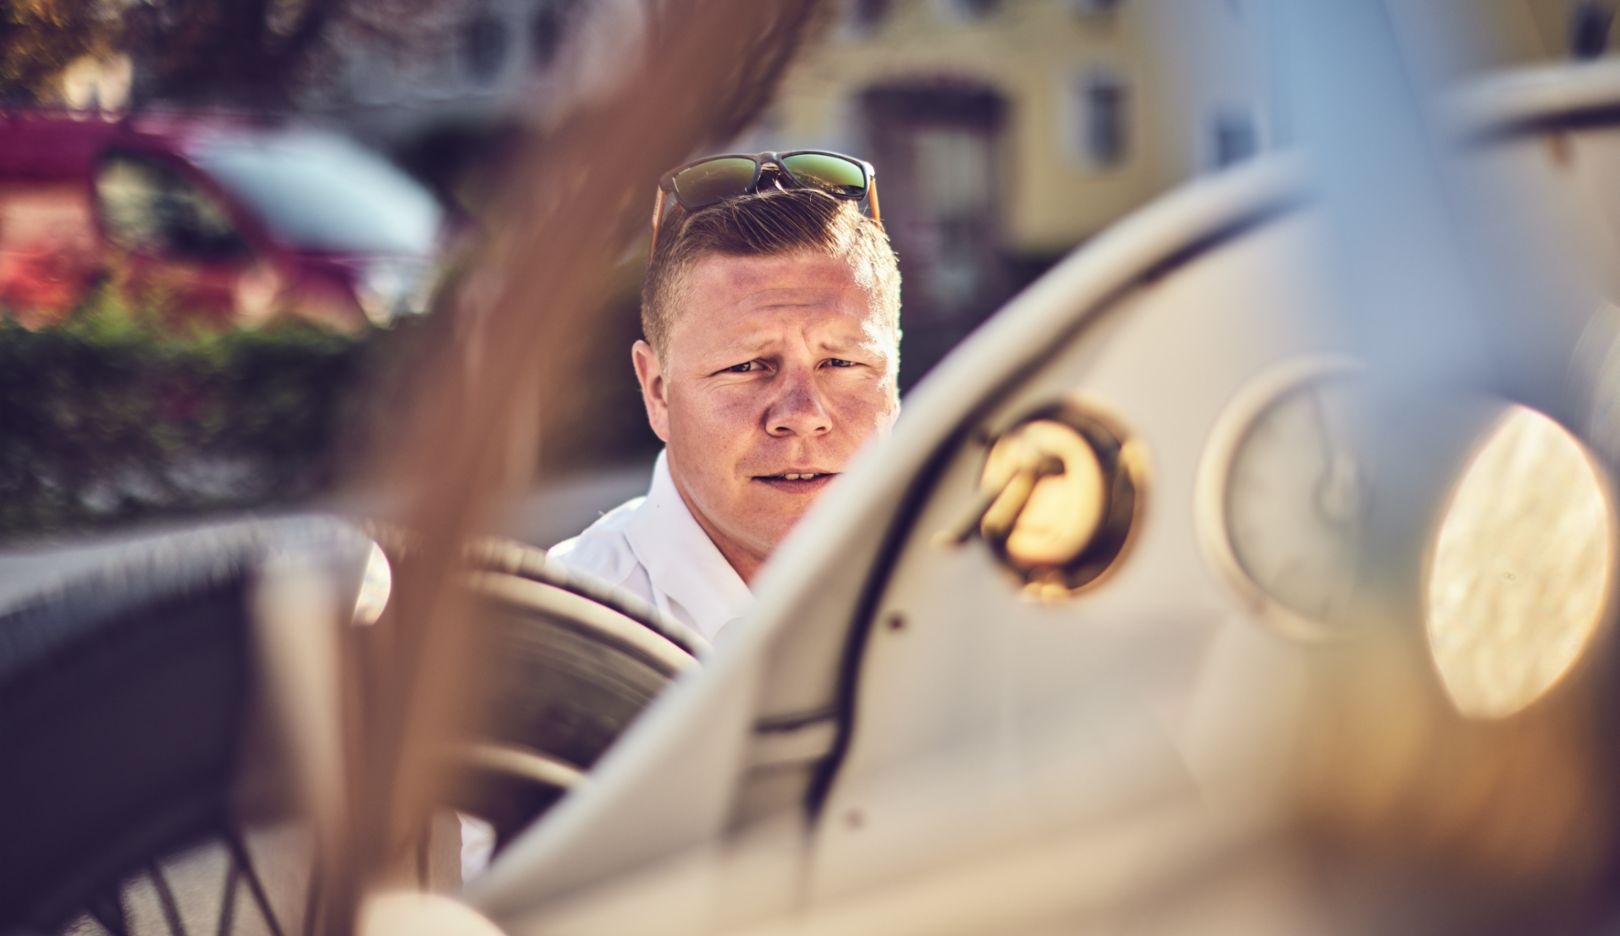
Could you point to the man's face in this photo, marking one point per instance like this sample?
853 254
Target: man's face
777 369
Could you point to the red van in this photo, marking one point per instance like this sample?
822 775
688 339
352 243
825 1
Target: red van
207 218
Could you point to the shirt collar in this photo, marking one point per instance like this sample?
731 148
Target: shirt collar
681 560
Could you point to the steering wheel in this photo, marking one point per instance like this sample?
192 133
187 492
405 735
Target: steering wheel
132 698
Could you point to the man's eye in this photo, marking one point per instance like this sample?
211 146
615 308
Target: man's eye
839 362
743 368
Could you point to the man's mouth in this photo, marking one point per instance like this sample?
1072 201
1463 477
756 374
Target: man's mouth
798 481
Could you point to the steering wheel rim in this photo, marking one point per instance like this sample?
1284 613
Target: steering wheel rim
138 676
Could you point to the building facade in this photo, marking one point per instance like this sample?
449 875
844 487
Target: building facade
1006 133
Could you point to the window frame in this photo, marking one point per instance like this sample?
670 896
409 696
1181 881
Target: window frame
1084 99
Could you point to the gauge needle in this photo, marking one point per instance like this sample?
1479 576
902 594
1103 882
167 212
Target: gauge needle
1033 467
1338 489
1003 512
1330 452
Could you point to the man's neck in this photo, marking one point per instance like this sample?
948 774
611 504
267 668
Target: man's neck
745 562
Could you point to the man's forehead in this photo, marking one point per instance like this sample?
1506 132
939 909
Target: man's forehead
766 328
738 286
730 305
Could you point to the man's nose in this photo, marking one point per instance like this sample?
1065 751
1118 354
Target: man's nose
798 409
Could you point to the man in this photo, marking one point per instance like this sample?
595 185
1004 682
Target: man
771 353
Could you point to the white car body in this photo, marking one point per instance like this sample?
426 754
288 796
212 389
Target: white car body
906 742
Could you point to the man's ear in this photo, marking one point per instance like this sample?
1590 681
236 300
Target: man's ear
654 388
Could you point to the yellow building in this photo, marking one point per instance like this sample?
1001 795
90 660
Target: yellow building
1046 98
1006 132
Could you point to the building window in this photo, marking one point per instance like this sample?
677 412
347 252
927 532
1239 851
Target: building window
1104 120
1234 139
1096 7
484 46
937 146
867 15
975 9
548 28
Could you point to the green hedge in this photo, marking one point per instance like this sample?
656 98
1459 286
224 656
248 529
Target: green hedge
108 417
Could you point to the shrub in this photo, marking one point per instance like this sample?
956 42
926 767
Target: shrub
106 417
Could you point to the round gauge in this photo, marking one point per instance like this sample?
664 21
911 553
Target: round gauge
1519 570
1059 495
1285 495
1044 517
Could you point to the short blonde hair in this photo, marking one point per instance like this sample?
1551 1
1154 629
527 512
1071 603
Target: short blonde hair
767 224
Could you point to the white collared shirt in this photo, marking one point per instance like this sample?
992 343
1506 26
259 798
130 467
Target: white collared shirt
653 547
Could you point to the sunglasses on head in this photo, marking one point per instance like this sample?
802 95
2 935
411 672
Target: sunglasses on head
712 179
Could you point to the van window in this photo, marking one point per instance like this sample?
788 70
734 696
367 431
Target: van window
315 191
150 207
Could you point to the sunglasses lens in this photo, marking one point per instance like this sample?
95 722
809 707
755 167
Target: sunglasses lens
714 180
834 175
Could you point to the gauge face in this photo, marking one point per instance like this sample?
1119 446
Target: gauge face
1519 570
1293 496
1060 492
1045 520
